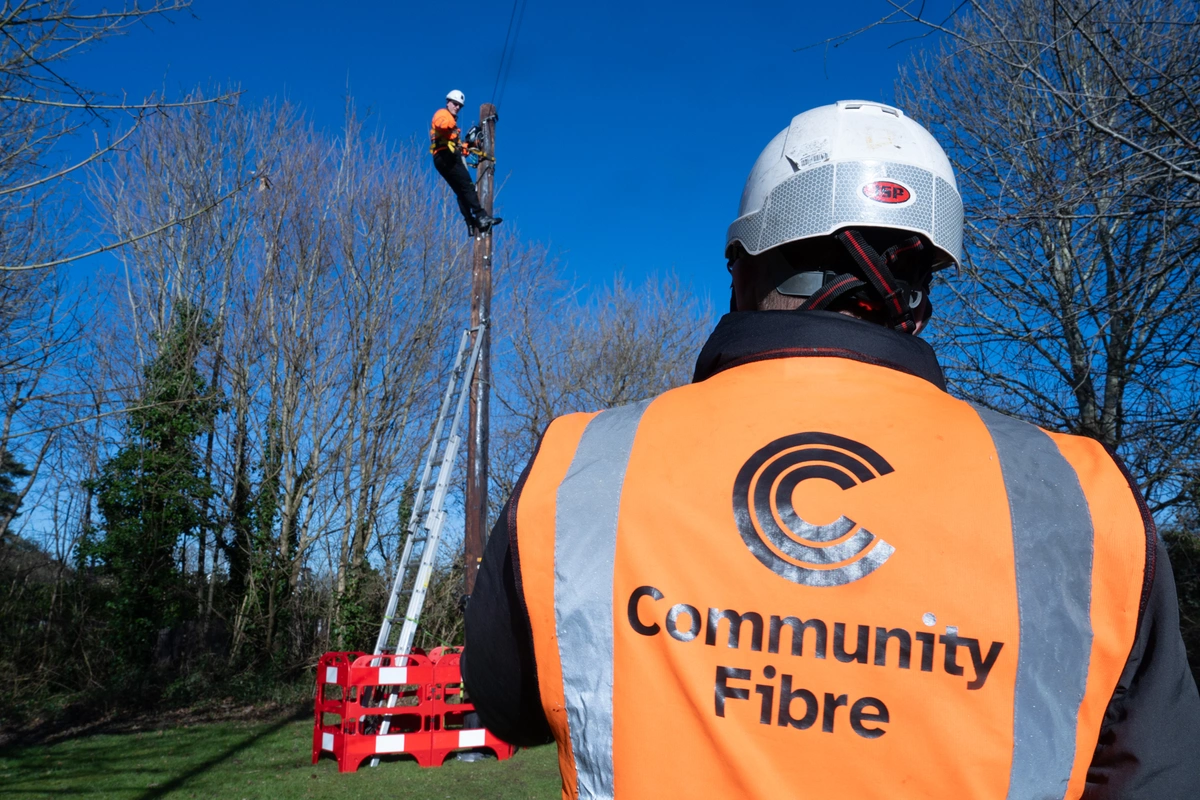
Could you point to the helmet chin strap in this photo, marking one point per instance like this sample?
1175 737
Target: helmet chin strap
904 306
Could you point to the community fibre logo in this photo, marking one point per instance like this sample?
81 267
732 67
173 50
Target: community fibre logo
786 543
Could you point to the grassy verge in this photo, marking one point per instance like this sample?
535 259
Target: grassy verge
251 760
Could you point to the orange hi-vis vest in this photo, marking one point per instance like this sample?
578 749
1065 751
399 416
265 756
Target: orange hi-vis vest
443 132
818 577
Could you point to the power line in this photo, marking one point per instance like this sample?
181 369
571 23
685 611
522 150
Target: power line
504 50
515 38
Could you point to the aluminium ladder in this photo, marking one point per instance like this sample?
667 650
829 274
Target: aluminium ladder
428 510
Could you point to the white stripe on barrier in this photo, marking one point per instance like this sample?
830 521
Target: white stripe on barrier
389 675
331 674
473 738
392 743
327 741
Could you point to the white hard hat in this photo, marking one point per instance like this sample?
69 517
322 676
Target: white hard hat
457 97
854 163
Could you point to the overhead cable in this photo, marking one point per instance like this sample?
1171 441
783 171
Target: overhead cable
504 50
510 47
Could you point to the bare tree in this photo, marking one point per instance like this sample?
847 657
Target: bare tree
336 289
1143 61
43 118
41 111
1072 128
38 334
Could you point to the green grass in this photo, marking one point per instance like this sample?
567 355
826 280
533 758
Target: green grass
252 760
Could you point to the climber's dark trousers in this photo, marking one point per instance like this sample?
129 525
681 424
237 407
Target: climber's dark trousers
451 167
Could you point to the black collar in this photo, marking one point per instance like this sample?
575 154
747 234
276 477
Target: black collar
745 336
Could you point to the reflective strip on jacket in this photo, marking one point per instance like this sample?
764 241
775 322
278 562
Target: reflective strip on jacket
443 133
738 591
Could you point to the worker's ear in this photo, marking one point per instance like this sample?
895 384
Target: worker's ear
732 265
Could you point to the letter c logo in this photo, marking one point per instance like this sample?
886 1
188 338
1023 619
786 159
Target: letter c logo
804 553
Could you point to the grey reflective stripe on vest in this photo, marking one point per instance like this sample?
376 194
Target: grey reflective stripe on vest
585 544
1052 550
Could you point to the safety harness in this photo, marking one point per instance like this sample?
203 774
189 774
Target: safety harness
439 142
470 147
905 304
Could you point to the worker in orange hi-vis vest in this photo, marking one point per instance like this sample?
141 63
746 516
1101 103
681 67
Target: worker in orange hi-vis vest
813 572
445 143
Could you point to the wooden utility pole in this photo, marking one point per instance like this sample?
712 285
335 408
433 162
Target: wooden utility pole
481 319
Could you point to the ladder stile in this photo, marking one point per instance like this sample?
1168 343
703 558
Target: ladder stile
447 400
418 503
433 524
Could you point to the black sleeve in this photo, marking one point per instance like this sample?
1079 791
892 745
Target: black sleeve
497 664
1150 739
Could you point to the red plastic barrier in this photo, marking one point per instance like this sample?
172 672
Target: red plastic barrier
449 704
427 718
333 682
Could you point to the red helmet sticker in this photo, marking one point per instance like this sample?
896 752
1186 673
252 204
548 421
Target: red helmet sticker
888 192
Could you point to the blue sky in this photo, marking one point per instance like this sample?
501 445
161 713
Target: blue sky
626 129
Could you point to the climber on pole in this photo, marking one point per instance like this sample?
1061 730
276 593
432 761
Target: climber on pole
448 150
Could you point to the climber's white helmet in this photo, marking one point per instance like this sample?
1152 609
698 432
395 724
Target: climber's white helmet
457 97
852 164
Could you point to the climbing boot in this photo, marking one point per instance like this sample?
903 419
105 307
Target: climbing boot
486 222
